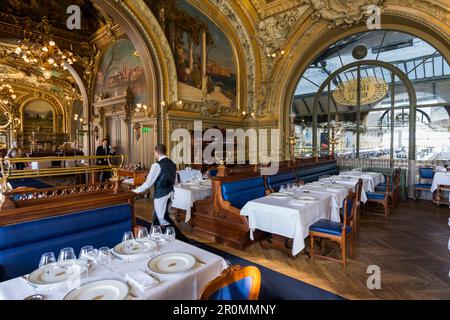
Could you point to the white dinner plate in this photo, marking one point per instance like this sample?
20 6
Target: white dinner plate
57 272
298 203
306 198
278 195
171 263
134 247
100 290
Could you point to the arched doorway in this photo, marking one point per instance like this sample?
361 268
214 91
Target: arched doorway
366 97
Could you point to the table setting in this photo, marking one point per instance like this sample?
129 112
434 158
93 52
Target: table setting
289 213
186 193
189 174
144 265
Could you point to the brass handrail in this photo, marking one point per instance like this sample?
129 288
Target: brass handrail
7 172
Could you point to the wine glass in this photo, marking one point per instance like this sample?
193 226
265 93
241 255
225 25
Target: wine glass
170 235
87 254
156 233
282 189
141 234
47 259
104 256
67 256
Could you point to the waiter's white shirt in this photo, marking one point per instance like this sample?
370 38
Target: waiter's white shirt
159 204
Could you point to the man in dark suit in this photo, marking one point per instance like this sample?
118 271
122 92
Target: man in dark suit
104 150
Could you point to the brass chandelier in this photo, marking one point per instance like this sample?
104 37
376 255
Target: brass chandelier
7 95
44 52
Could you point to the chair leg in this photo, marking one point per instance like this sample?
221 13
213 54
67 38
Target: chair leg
322 245
386 209
343 253
311 246
352 248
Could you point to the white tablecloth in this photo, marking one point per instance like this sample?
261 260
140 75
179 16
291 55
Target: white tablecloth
337 196
351 182
440 178
185 286
189 175
185 196
277 216
370 179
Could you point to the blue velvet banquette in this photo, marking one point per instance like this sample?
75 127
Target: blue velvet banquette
21 244
276 181
239 192
312 173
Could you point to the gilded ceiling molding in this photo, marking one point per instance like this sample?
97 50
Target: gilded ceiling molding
249 54
342 12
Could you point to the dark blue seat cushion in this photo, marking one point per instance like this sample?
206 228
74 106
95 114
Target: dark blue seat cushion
22 244
375 196
422 186
213 172
238 193
274 182
239 290
329 227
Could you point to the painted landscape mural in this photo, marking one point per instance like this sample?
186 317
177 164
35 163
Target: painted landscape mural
38 116
120 68
190 33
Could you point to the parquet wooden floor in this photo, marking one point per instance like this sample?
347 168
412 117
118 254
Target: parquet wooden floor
410 247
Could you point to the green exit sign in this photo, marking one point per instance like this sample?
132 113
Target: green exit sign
146 129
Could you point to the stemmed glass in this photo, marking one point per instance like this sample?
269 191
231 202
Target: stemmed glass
141 234
67 260
47 259
67 255
104 257
156 233
282 188
170 235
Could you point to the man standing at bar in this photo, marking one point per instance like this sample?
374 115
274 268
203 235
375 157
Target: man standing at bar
104 150
163 174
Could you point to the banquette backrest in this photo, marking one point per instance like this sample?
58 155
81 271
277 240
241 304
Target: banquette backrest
23 242
239 192
310 173
275 181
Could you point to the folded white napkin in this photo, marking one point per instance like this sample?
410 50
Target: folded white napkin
139 281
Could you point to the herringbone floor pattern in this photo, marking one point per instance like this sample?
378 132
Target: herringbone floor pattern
410 247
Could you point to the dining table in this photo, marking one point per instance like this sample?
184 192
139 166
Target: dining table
370 179
189 175
288 216
440 178
187 285
185 194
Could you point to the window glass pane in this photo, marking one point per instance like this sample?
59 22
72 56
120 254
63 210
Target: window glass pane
375 139
432 134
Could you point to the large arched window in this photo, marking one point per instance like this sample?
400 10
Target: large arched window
384 95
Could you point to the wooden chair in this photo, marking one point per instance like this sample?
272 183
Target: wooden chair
426 175
381 198
235 283
336 231
394 188
358 193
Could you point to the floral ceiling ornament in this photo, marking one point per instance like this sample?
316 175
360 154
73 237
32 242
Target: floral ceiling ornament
343 12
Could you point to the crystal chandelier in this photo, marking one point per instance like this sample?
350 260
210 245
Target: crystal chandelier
7 95
44 52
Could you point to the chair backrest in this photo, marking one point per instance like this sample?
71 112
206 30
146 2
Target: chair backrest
388 184
235 284
349 209
358 192
426 173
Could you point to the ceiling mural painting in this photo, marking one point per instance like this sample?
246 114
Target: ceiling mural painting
204 58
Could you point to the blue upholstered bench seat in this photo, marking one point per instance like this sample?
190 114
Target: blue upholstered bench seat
313 173
239 192
274 182
22 244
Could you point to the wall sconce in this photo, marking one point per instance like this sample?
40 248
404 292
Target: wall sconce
276 54
96 133
246 114
177 104
75 117
148 110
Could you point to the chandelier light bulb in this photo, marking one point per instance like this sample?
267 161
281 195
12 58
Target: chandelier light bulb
45 49
51 43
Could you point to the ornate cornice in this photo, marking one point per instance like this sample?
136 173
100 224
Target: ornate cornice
342 12
206 108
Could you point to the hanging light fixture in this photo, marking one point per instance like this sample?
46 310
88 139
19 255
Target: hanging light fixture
7 95
44 52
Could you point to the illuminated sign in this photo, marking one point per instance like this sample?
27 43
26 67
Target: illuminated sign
372 90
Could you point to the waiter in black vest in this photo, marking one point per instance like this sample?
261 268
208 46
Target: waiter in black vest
104 150
163 175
